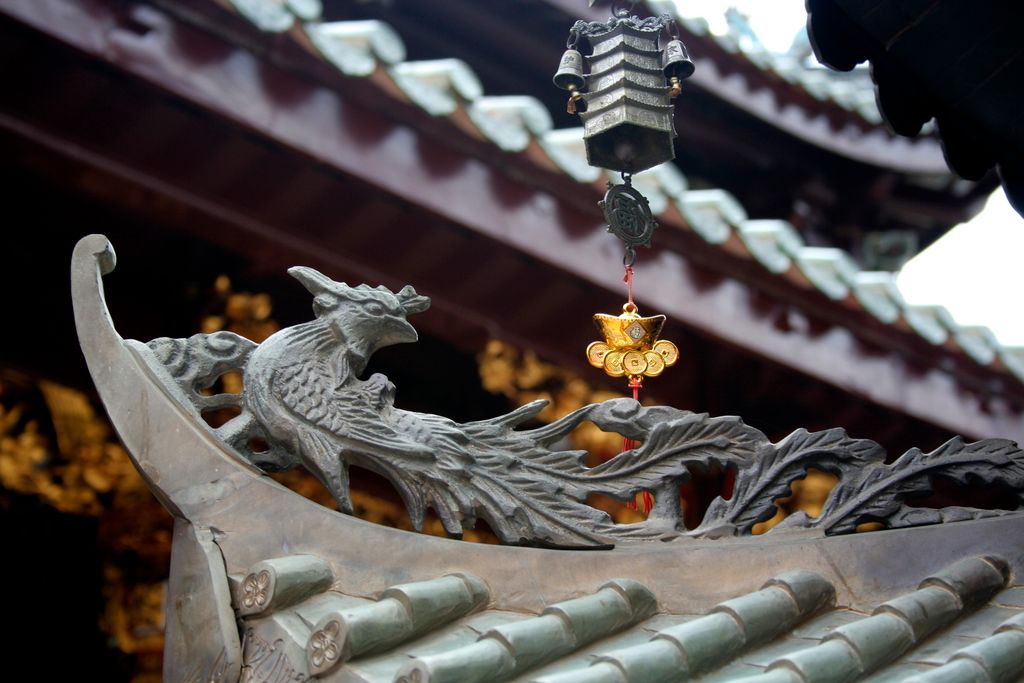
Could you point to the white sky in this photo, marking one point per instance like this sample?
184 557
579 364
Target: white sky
975 270
775 22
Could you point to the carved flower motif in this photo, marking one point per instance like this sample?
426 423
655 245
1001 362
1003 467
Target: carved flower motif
323 645
255 589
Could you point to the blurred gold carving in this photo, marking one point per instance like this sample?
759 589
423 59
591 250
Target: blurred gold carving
80 470
809 496
522 377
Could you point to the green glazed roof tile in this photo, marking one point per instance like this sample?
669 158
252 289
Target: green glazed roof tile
977 342
401 613
878 294
771 242
998 658
931 322
356 47
1011 597
306 10
510 122
1013 359
508 650
438 85
713 214
832 271
960 620
272 16
565 147
710 641
853 650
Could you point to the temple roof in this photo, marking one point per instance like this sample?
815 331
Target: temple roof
521 125
372 141
963 623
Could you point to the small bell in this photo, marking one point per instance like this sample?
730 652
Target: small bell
677 61
570 71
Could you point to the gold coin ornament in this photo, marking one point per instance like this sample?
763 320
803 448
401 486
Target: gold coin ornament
631 346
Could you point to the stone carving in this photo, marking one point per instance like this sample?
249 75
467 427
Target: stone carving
304 401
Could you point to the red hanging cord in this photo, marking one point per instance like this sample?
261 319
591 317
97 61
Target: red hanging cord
628 279
643 501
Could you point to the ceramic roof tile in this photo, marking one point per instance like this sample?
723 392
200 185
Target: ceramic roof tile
443 87
878 294
853 94
465 631
977 342
831 271
281 582
565 147
437 85
712 214
999 658
510 122
509 650
856 649
276 16
1013 358
771 242
356 47
962 621
931 322
710 641
400 614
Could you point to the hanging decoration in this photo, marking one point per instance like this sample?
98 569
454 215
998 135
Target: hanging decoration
625 103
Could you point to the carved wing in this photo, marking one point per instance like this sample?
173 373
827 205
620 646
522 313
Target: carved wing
309 393
334 427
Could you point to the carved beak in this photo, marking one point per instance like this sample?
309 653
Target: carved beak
313 280
401 332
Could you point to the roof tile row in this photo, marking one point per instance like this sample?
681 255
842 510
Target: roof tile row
787 632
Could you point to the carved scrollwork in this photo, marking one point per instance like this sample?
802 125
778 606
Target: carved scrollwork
303 394
590 28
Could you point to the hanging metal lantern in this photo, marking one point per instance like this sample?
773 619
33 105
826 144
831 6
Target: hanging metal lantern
627 118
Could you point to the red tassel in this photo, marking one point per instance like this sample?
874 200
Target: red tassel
643 501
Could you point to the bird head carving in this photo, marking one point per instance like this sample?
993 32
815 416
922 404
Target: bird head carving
365 318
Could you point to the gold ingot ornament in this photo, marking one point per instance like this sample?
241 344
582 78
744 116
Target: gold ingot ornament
631 347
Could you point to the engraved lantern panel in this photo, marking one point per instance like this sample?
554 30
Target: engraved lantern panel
628 123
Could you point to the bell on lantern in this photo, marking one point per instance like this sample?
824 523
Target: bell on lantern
677 60
570 77
678 66
570 71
